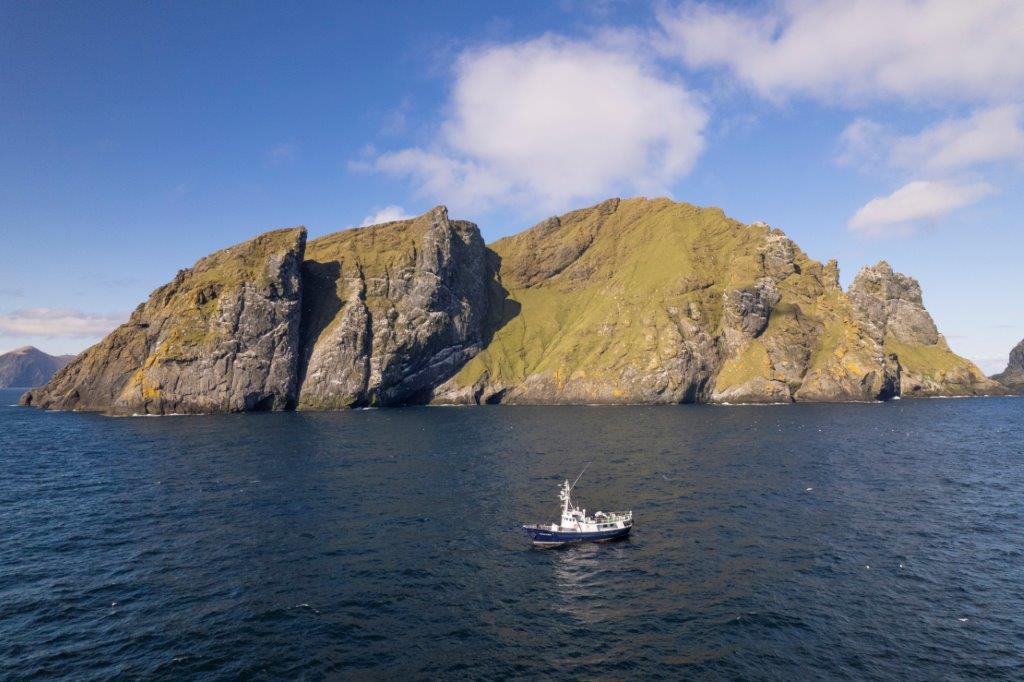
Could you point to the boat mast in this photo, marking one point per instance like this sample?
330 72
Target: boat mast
566 491
563 494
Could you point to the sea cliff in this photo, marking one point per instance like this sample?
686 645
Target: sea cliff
628 301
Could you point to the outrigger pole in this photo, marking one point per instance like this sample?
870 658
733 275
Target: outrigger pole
580 476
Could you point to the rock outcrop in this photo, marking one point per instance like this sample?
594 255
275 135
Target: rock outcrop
890 308
628 301
1013 376
391 311
28 366
223 336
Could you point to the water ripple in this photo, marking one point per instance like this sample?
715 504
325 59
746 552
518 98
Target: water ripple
853 541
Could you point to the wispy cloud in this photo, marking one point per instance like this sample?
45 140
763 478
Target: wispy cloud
386 215
63 323
550 122
915 201
865 144
12 292
991 366
281 153
396 121
988 135
849 50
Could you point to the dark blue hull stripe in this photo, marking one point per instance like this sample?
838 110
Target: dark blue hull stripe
538 535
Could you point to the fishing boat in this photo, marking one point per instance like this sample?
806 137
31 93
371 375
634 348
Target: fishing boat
576 526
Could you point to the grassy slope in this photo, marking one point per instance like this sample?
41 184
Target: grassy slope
604 293
937 364
607 293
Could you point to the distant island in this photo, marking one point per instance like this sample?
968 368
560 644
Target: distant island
628 301
28 366
1013 375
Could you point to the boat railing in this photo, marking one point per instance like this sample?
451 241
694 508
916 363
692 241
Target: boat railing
615 515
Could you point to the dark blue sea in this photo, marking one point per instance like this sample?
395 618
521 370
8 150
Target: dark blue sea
880 541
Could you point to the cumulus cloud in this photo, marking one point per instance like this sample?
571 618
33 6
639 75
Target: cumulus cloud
386 215
550 122
849 49
50 322
918 200
986 136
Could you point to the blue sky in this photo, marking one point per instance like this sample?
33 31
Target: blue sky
138 137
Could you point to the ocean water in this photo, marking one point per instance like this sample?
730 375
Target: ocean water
874 541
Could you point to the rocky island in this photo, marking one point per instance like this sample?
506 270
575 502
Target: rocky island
628 301
28 366
1013 376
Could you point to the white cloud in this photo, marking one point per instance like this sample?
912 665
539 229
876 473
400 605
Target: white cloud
918 200
550 122
986 136
864 143
49 322
386 215
852 49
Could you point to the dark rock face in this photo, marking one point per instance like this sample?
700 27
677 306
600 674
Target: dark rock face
393 310
1013 376
891 304
27 366
223 336
747 310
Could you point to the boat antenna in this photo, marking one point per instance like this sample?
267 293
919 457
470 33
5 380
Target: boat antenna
580 476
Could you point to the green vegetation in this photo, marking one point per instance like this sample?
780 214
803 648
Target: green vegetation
611 290
936 362
751 364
